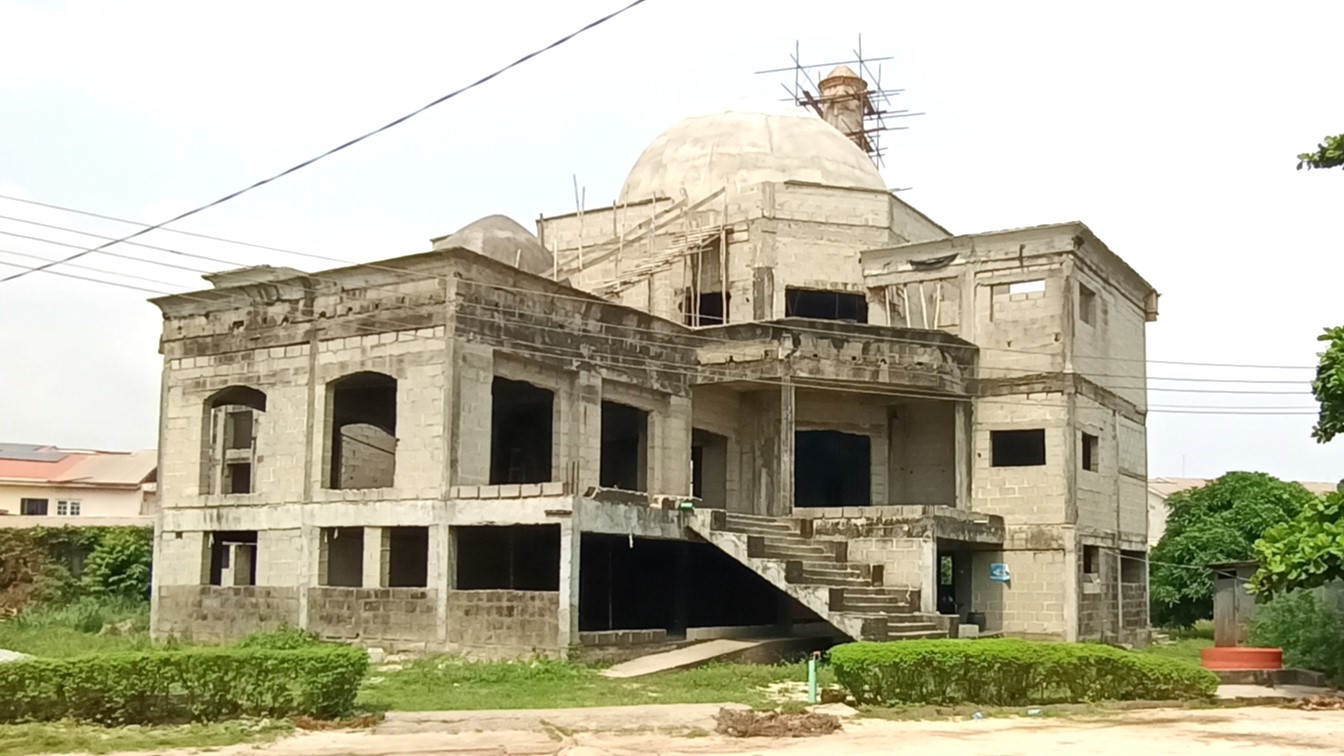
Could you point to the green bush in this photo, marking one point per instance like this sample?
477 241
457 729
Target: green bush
188 685
1010 673
1308 629
120 564
284 638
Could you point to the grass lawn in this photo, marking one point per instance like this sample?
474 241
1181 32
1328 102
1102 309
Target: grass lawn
84 627
68 737
1186 649
448 683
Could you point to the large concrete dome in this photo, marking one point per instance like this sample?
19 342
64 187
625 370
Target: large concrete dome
502 238
704 153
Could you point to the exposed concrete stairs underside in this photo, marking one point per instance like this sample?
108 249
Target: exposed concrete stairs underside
818 573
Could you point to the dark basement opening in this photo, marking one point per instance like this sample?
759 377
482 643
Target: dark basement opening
343 556
513 557
521 422
625 439
407 557
832 469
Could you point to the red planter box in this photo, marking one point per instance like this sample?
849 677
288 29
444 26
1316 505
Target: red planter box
1241 658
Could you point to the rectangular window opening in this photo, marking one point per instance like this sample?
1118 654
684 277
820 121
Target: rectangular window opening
342 557
238 478
521 423
832 469
407 557
1091 452
1133 567
1087 305
1091 561
362 444
825 305
233 557
238 429
33 507
625 439
705 310
1017 448
515 557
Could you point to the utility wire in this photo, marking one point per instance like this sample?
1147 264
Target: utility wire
590 298
338 148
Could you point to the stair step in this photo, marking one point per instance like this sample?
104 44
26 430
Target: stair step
809 551
836 581
754 523
921 635
825 567
877 606
879 591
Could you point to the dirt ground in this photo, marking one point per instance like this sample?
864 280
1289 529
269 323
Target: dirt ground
648 731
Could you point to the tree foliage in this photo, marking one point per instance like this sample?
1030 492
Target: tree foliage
1305 553
1329 386
120 564
1328 154
1219 522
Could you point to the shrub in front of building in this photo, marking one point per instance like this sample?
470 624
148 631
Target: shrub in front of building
1011 673
187 685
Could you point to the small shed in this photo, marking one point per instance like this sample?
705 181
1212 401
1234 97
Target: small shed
1233 605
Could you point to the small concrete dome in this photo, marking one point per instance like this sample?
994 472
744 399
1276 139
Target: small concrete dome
501 238
738 149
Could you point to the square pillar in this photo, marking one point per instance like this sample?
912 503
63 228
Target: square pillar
570 541
587 433
963 452
376 553
782 503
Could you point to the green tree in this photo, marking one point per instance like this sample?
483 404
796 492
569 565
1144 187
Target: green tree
1220 522
1309 551
1328 154
120 564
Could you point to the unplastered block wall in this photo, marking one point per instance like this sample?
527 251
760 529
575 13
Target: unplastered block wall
180 558
404 616
923 454
906 562
1032 604
418 360
1019 319
1023 495
503 623
718 410
855 414
1110 350
1114 496
280 557
281 373
216 614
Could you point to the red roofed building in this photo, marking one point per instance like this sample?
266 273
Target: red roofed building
45 485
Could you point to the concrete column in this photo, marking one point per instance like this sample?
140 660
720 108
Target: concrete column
1072 593
570 540
783 500
375 558
587 433
472 398
440 577
964 451
928 578
674 462
309 567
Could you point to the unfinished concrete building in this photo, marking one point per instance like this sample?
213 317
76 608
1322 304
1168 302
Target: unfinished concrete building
760 393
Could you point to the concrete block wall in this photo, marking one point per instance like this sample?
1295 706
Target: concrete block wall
400 617
504 623
1024 495
849 413
906 563
923 458
1033 604
1110 351
717 410
217 614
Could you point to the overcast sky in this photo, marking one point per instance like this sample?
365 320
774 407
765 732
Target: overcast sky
1169 128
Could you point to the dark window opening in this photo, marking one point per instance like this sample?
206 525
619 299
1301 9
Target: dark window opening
342 557
709 468
1133 567
238 478
705 310
515 557
238 429
1087 305
233 557
646 584
363 435
238 396
33 507
407 557
625 439
1017 448
825 305
1091 560
520 432
1091 452
831 469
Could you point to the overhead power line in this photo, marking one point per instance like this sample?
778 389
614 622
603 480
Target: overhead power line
336 149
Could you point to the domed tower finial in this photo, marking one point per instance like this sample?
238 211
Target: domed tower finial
844 103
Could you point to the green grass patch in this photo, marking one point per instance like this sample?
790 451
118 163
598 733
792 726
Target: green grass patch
65 737
87 626
1185 650
449 683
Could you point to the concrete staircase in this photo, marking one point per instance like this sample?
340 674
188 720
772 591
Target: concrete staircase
818 573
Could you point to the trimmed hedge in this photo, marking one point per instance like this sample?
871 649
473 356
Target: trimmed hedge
188 685
1011 673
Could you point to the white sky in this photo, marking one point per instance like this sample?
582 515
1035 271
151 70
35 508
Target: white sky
1169 128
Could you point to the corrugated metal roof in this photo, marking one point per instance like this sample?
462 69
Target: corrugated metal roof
31 453
50 465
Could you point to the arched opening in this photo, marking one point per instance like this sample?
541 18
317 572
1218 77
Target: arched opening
362 436
232 420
